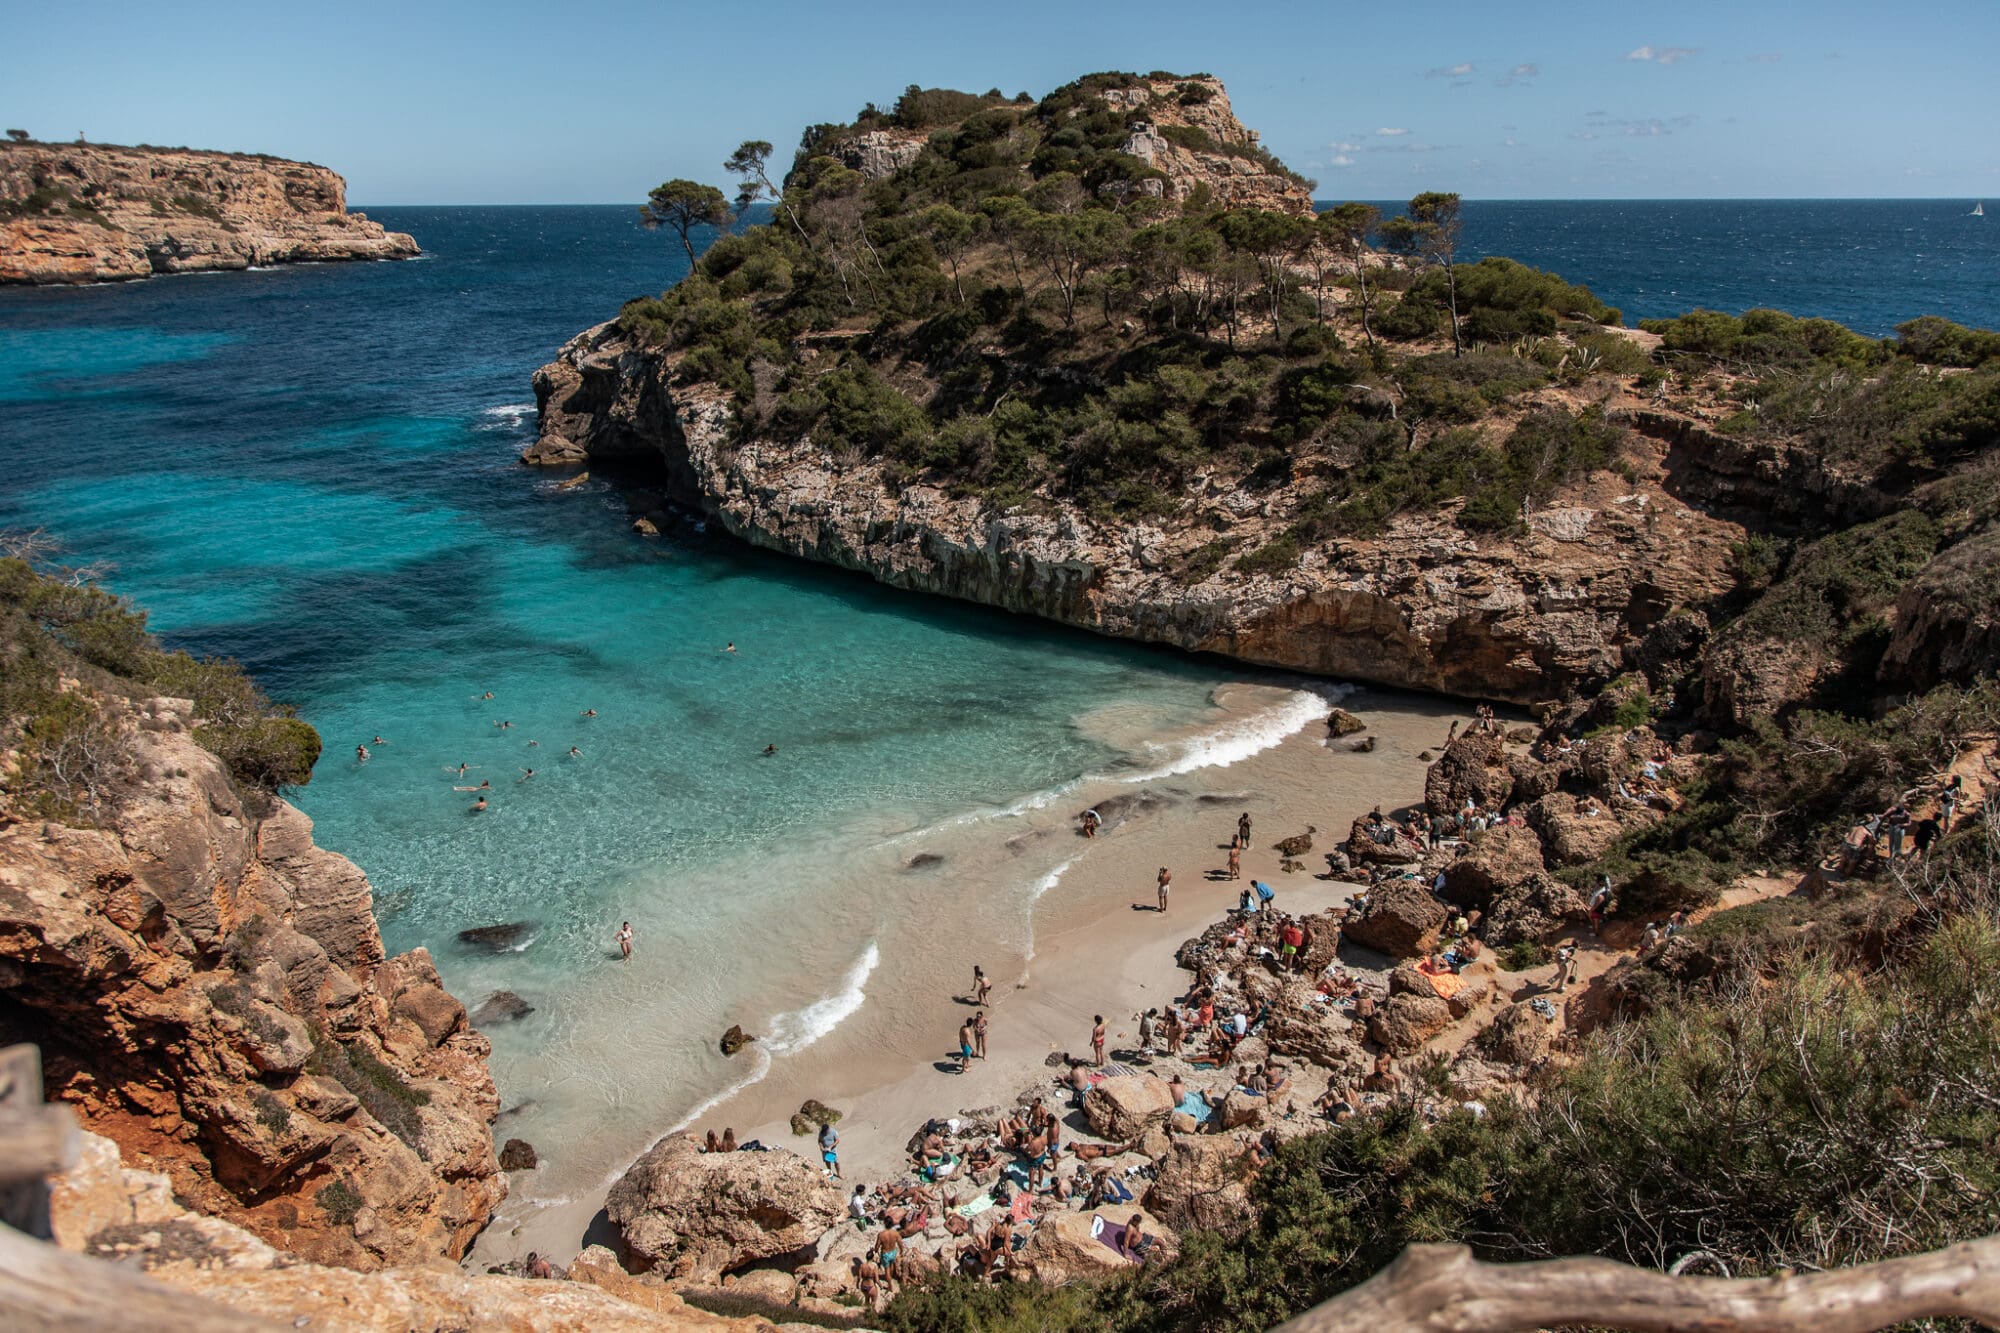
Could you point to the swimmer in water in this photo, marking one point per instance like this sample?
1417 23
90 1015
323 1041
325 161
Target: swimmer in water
536 743
770 749
527 773
575 753
360 754
461 769
378 741
729 647
483 786
479 805
487 695
590 712
503 725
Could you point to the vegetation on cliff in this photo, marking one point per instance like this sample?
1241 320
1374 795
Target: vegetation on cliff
68 650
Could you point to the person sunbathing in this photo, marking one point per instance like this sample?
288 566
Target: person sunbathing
1090 1152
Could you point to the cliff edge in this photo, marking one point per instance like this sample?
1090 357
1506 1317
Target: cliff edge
72 213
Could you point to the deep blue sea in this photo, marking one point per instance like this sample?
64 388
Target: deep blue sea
313 469
1869 263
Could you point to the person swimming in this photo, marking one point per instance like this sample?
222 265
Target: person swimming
485 785
527 773
487 695
589 712
503 725
378 741
729 647
575 753
360 754
770 749
479 805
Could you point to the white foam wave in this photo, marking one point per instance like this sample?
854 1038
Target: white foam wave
508 411
1238 740
758 1073
793 1032
1035 894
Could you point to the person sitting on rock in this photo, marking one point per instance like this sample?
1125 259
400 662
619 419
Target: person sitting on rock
1276 1082
1336 1103
539 1267
711 1143
1136 1244
728 1140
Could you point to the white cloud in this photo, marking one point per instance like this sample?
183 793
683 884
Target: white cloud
1662 55
1341 160
1524 71
1391 132
1345 147
1458 71
1510 143
1766 58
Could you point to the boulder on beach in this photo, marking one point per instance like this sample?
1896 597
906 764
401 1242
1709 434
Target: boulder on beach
811 1115
501 938
735 1039
518 1155
1362 849
1518 1036
1063 1249
1537 909
502 1006
1474 768
1123 1108
697 1215
1402 920
1405 1022
1200 1186
1340 723
1499 859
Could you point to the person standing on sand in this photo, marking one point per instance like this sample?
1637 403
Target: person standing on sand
829 1151
1166 878
1091 821
1243 827
1235 861
1565 966
979 1035
965 1035
1097 1040
625 940
981 987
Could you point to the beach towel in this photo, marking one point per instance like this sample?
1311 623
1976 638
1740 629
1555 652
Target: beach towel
1115 1191
976 1207
1023 1207
1196 1105
1112 1069
1110 1234
1447 984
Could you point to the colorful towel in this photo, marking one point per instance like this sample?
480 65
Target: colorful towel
1112 1069
1447 984
976 1207
1196 1105
1022 1208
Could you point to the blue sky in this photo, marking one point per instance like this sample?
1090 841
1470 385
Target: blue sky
494 101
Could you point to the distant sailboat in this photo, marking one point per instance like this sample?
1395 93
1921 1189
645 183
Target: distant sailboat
1979 209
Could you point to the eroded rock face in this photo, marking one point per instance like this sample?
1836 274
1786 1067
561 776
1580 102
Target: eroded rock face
1222 159
695 1214
1499 859
1472 768
133 212
208 988
1405 1022
1063 1250
1422 605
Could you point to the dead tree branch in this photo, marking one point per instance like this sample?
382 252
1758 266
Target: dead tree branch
1443 1289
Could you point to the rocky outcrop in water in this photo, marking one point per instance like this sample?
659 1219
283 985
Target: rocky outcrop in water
209 990
96 213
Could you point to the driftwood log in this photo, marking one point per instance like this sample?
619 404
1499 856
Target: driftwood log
1443 1289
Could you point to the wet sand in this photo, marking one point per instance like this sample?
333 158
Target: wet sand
1099 946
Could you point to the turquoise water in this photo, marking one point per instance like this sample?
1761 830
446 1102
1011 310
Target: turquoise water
313 470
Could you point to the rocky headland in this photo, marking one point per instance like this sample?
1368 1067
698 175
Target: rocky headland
72 213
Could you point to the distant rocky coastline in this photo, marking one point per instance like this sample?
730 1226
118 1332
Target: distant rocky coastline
79 213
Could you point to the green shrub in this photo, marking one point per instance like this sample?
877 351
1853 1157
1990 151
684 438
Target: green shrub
1525 954
1273 557
380 1089
340 1201
272 1114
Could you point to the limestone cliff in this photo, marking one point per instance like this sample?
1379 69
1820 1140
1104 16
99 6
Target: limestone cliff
94 213
1422 605
209 990
1186 129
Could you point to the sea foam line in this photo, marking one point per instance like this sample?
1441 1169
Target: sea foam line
793 1032
1035 894
1238 740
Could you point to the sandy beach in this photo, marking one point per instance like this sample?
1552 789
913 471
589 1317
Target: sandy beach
1099 946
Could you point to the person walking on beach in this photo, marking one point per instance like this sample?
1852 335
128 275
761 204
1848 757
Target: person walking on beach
829 1151
981 987
1097 1040
1235 861
625 940
979 1035
965 1036
1091 821
1166 878
1243 827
